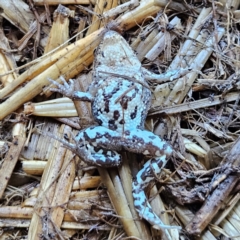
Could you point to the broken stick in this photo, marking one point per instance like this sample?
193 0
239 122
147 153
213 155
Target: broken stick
223 185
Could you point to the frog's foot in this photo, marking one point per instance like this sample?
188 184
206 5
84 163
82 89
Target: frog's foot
144 177
67 89
93 144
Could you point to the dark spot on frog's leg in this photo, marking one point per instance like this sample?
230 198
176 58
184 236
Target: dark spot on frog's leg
106 107
107 135
134 113
144 203
137 198
150 210
97 149
152 137
86 137
138 139
133 96
122 121
99 111
143 177
127 133
115 90
116 114
159 163
99 121
108 161
112 125
98 135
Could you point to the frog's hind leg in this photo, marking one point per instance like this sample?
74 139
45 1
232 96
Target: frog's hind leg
147 143
101 157
144 177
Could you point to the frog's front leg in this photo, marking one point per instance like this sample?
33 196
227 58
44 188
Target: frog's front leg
166 76
67 89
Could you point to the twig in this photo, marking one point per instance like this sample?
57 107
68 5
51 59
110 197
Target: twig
218 197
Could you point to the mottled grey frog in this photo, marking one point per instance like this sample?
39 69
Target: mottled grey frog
121 98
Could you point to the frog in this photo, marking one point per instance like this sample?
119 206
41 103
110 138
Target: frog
120 97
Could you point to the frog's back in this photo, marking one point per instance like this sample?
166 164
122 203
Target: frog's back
121 105
122 98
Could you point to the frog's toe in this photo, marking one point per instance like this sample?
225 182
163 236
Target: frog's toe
66 89
54 82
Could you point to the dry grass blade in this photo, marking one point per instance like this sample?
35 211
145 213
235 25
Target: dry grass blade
57 2
119 201
126 181
47 189
36 85
215 100
63 190
60 25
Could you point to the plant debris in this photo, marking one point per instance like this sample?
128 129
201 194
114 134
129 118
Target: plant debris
49 193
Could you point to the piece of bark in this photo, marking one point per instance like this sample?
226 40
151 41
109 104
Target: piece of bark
83 108
10 161
183 195
184 214
217 199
